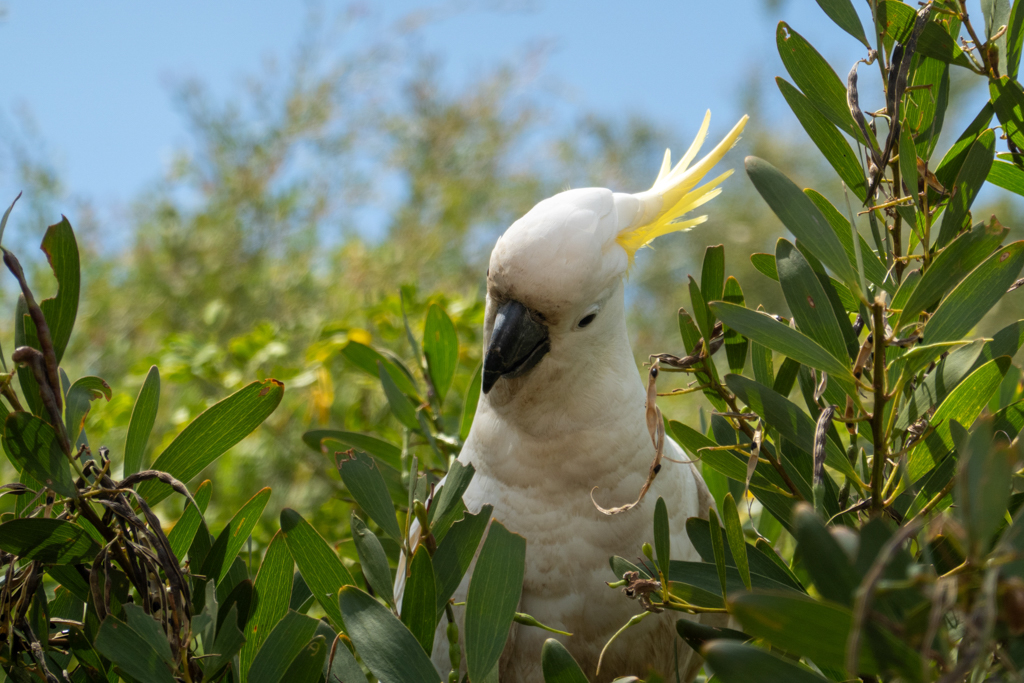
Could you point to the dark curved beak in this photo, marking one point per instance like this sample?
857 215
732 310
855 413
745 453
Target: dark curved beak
518 342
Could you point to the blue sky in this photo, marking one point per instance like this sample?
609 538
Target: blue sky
95 78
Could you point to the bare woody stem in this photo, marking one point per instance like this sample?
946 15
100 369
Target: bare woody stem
878 415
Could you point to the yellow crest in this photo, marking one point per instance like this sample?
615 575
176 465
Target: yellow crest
674 194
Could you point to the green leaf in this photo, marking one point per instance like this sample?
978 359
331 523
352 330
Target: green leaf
558 665
132 652
737 663
282 646
662 539
769 332
367 359
951 163
141 424
969 180
808 301
982 485
734 534
950 267
701 313
1008 102
493 597
712 273
765 264
470 402
378 448
319 565
761 562
77 402
389 650
718 548
33 446
1014 39
690 336
845 16
897 20
728 463
446 508
817 630
455 553
228 643
874 270
829 141
441 349
735 343
50 541
1006 176
150 630
308 665
813 75
801 217
373 560
363 480
273 587
231 539
181 534
401 407
761 363
419 601
833 575
213 432
60 311
908 161
965 306
25 335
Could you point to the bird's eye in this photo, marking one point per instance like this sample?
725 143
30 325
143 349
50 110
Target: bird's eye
587 319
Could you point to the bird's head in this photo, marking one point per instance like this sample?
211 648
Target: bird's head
554 282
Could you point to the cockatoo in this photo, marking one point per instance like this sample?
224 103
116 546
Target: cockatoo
563 414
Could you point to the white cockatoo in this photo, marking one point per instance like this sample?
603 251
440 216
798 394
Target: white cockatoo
563 411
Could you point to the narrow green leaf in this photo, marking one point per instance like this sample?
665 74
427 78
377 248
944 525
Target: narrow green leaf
445 510
234 535
558 665
734 534
897 21
273 587
228 643
141 424
419 602
50 541
33 446
77 403
308 665
470 402
363 480
833 575
845 16
131 652
965 306
801 217
662 539
712 273
874 270
761 562
718 547
217 429
815 629
969 180
691 335
441 349
181 534
761 363
455 553
808 302
60 311
282 646
983 484
792 423
813 75
771 333
493 597
735 343
318 439
1014 39
765 264
389 650
908 161
951 265
701 313
320 566
367 359
1006 176
401 407
151 631
1008 102
25 335
829 141
951 163
3 222
373 560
